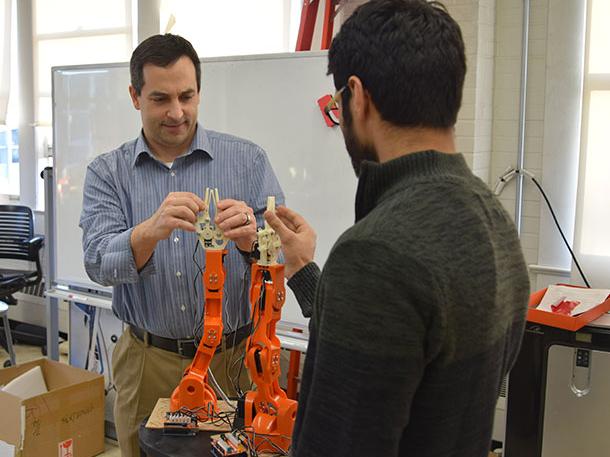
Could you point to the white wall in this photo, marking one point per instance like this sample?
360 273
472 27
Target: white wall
474 127
507 82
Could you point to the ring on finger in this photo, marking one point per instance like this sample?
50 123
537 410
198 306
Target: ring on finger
248 219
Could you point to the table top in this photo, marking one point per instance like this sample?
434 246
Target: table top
602 321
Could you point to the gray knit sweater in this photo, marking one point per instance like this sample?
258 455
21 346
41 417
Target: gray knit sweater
416 318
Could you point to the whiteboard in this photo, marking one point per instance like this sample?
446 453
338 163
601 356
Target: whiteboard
268 99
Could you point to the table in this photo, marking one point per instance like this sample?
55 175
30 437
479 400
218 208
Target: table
153 443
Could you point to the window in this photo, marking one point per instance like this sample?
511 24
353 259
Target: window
593 212
94 32
9 161
9 130
233 27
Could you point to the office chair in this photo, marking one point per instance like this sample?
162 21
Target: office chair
17 242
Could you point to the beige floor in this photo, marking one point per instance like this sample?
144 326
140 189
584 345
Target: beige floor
24 353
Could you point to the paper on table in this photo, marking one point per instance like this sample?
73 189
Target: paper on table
584 299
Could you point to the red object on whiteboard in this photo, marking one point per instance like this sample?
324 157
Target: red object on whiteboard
322 103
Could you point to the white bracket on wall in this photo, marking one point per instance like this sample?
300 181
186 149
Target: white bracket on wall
507 176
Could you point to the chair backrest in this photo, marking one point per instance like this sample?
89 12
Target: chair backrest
16 228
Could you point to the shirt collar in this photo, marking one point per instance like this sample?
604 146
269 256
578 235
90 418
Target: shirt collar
200 143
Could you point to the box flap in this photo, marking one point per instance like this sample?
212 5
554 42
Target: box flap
11 419
29 384
8 374
59 375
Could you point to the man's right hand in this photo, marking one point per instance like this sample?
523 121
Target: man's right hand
297 236
178 211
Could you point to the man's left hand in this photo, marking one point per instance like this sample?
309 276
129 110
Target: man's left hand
237 222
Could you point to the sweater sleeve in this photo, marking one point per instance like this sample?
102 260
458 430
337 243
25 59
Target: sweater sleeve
303 283
369 354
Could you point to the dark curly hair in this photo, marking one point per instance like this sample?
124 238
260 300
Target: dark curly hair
409 55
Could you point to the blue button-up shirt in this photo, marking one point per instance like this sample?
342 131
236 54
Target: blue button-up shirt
126 186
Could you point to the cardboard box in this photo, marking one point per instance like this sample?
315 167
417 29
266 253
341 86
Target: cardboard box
66 421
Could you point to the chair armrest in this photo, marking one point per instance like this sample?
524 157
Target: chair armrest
34 245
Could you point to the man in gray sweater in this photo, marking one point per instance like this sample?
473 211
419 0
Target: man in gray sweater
419 312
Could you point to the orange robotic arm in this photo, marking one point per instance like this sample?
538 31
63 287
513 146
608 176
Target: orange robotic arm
194 392
269 413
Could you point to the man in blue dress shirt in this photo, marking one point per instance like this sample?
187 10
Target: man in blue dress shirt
139 205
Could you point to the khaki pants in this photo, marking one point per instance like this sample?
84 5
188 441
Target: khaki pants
143 374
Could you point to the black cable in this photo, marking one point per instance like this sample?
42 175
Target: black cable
231 364
266 439
582 275
90 312
245 289
236 379
110 386
214 417
240 358
260 304
199 268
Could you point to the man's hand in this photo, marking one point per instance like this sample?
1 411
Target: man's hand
178 211
298 238
237 222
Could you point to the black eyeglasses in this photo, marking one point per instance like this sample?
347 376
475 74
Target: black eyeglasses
332 107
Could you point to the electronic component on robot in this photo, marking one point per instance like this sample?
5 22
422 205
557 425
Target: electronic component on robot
228 445
180 424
